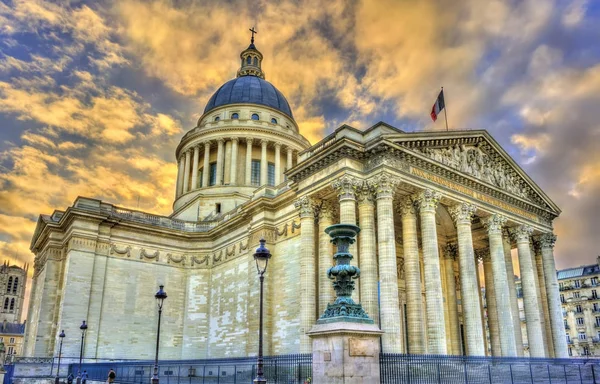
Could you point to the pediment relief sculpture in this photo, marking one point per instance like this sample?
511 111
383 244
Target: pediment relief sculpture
470 159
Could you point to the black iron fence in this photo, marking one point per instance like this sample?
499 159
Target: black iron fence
428 369
284 369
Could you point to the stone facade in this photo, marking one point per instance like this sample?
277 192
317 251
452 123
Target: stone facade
246 173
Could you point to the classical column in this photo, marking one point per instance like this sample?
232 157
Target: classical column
264 165
469 288
186 175
547 241
512 291
248 161
384 187
206 166
436 331
277 163
454 331
180 173
290 153
535 339
542 298
227 163
220 154
490 299
367 251
195 167
506 328
326 293
412 278
346 191
482 319
234 161
307 294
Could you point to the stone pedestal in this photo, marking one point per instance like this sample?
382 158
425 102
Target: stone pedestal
345 353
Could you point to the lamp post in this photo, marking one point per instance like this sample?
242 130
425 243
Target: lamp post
83 328
261 257
62 336
160 296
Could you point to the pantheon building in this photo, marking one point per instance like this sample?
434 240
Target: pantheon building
439 212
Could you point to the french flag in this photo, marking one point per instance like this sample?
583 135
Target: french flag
438 106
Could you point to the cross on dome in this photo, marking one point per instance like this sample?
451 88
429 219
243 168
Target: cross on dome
251 60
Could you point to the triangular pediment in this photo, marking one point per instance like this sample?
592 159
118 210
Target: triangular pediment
478 155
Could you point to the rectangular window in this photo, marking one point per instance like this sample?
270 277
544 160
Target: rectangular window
597 321
578 309
570 352
213 174
577 284
594 281
561 286
12 340
10 350
581 336
586 351
255 175
271 174
594 294
595 307
568 339
576 295
562 298
580 321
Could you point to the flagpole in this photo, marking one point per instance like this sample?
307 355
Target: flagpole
445 109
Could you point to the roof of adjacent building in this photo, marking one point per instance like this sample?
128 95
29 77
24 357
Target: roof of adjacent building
583 270
249 90
12 328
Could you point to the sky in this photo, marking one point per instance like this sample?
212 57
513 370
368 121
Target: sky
95 96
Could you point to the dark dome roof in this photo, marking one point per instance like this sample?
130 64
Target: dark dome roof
249 90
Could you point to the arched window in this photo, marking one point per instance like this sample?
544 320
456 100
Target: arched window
217 118
255 116
235 116
248 60
273 120
12 304
15 285
256 61
6 303
9 287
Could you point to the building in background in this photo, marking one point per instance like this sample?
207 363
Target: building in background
12 335
12 292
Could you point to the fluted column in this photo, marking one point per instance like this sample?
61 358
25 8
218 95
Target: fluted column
469 288
220 155
454 331
180 173
307 294
277 163
436 330
506 328
264 165
195 167
186 175
367 251
512 291
490 299
535 338
542 298
206 171
384 187
412 278
547 241
290 158
326 293
482 319
346 190
234 161
248 161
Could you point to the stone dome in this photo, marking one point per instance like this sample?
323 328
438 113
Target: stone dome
249 90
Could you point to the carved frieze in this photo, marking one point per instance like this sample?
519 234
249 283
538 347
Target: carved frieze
123 251
386 158
146 255
176 260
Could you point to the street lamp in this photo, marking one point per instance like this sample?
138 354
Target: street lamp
62 336
160 296
261 257
83 328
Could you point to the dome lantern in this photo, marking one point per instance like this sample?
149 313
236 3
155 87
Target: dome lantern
251 60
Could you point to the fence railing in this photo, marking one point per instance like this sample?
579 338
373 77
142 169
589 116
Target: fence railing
417 369
284 369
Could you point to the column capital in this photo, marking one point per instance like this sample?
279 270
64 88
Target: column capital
277 145
346 187
220 140
235 139
547 240
326 210
249 141
406 206
289 148
494 223
264 142
364 193
522 233
462 212
206 143
428 199
451 251
384 185
306 206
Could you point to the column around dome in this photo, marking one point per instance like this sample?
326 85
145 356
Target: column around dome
186 174
234 154
264 168
206 166
195 167
277 163
220 155
248 162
